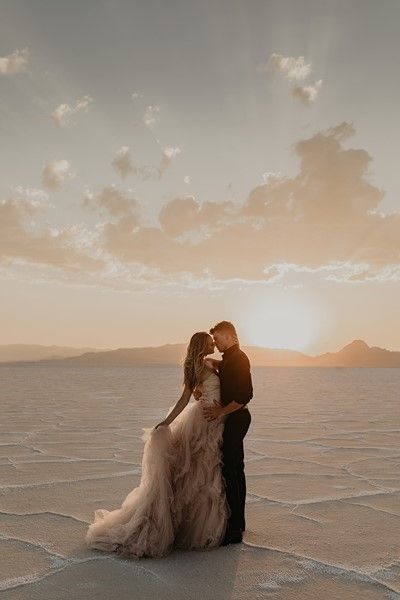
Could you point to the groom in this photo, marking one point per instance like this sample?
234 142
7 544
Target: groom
236 392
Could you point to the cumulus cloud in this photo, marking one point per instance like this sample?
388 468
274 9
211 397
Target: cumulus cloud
323 220
307 93
56 173
63 112
295 70
136 95
15 62
324 214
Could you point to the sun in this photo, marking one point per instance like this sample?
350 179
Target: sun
280 321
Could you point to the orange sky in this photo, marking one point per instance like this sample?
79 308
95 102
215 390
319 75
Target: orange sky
162 174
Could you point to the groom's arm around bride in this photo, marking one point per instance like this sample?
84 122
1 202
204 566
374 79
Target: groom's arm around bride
236 383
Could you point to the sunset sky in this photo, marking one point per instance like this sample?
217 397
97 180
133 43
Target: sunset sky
169 164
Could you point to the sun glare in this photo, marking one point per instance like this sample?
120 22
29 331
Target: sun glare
280 322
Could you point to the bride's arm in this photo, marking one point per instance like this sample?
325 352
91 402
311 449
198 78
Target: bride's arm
178 408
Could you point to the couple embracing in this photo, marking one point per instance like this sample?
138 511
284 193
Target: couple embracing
192 489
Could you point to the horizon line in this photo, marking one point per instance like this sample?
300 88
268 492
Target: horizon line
109 349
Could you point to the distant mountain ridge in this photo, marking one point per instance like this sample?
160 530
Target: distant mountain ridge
355 354
18 352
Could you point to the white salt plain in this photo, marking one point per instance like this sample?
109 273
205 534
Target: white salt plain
323 478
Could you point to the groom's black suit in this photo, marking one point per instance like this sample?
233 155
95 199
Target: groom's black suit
236 384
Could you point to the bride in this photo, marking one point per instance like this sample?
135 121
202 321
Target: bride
180 501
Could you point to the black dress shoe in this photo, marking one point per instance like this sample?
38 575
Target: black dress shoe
234 536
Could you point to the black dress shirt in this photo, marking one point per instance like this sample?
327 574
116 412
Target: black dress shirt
235 377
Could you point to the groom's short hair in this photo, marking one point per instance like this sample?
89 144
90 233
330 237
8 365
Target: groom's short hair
225 326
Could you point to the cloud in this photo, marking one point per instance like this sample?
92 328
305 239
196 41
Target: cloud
150 117
187 215
271 176
62 113
56 173
294 69
36 197
22 240
307 93
324 220
15 62
115 232
168 155
124 165
326 214
110 200
136 95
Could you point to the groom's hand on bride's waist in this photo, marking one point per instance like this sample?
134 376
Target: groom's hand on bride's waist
213 412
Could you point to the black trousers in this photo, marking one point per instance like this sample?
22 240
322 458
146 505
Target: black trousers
236 426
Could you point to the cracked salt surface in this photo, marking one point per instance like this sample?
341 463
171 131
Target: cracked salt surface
323 483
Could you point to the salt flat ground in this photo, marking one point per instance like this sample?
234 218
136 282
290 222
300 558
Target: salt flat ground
323 477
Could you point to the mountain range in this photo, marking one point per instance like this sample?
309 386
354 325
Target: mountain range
29 352
355 354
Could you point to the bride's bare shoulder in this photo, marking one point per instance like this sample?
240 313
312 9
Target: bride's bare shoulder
209 363
208 370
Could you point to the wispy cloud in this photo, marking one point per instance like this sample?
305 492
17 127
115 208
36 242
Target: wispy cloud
15 62
63 112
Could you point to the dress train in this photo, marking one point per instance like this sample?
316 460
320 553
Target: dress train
180 501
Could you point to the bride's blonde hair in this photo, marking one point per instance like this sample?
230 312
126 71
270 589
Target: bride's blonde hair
193 365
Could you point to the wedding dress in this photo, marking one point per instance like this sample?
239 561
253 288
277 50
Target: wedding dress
180 501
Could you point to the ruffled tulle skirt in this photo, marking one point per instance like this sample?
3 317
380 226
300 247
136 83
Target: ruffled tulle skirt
180 501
